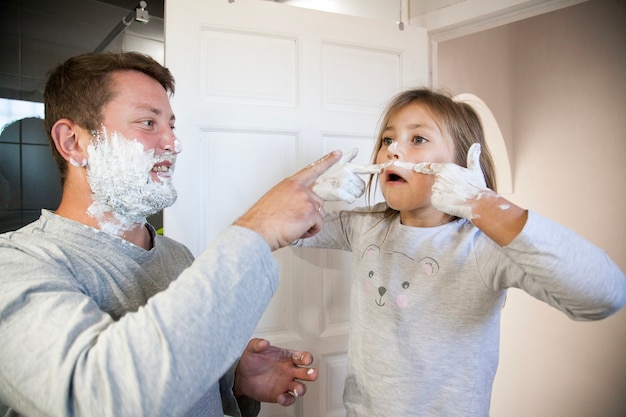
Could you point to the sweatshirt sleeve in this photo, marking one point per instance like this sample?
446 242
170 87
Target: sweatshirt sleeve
339 230
559 267
62 355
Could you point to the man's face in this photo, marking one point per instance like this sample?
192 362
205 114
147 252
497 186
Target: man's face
140 110
131 159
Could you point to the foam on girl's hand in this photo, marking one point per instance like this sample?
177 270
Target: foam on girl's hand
341 182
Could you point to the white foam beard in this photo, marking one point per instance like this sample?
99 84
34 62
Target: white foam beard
119 173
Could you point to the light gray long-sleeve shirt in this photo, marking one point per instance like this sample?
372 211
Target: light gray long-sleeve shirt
91 325
426 304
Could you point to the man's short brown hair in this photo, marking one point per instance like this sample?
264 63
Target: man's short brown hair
79 88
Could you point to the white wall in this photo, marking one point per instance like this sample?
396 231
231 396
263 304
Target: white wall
557 85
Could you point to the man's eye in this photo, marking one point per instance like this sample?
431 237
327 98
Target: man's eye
148 123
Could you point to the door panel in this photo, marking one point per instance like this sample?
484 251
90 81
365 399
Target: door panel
263 89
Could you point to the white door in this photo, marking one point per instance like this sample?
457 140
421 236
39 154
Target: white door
262 89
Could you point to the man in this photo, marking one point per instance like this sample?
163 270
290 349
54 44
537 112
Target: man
99 315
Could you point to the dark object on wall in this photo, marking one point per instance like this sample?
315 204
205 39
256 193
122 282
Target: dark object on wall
29 177
139 14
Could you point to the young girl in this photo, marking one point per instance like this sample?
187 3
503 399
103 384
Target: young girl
431 266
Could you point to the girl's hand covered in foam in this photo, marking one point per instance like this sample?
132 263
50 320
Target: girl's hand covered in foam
341 181
456 188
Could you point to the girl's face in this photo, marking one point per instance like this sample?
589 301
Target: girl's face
412 135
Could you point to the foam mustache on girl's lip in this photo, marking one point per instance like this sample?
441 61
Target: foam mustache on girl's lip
369 168
405 165
421 167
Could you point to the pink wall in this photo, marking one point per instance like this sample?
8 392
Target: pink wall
557 85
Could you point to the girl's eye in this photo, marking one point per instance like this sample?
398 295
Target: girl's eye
419 139
387 141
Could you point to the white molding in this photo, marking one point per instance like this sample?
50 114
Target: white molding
495 141
473 16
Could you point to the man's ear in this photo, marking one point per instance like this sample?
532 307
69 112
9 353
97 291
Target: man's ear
65 134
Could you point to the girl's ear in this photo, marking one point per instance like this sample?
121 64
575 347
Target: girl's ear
65 135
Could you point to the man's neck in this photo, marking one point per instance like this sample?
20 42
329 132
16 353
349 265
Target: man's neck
137 234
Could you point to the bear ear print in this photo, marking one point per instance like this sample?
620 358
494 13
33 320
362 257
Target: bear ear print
371 250
429 266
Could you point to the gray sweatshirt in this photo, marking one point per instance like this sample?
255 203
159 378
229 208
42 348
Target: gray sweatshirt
91 325
426 303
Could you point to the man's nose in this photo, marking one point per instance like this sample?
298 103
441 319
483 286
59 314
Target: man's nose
172 144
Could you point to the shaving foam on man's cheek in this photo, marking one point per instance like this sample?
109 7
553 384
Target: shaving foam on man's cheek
119 173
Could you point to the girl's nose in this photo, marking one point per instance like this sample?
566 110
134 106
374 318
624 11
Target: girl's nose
394 151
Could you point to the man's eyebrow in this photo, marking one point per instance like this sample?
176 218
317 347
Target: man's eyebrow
155 111
149 108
